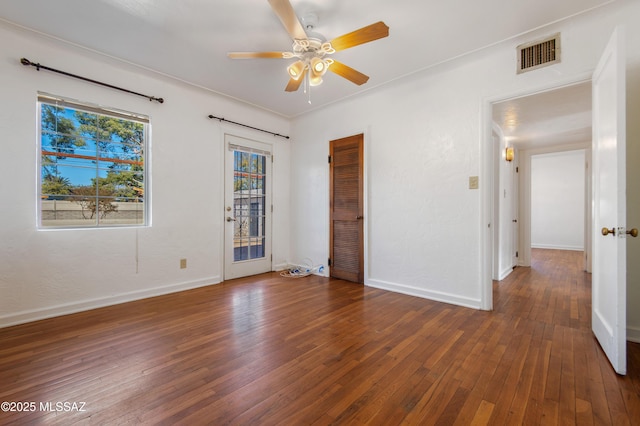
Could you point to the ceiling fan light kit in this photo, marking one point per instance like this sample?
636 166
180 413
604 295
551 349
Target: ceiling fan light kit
295 70
310 49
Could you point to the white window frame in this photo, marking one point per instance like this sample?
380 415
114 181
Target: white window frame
99 222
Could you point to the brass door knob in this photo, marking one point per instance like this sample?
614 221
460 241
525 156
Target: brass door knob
607 231
633 232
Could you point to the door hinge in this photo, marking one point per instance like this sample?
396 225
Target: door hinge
271 208
516 254
329 158
329 262
272 258
517 169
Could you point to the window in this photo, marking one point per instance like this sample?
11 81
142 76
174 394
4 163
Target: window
249 201
92 165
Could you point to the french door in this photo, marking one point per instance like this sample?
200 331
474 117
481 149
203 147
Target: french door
247 207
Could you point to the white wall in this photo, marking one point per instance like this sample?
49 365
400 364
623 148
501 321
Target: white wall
424 137
45 273
557 200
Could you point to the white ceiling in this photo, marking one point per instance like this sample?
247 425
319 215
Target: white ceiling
189 39
552 118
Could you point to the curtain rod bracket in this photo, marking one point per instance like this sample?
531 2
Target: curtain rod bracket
26 62
221 119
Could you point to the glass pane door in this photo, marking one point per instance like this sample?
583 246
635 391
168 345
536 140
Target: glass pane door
247 207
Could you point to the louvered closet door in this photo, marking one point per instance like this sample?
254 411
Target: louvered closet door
346 182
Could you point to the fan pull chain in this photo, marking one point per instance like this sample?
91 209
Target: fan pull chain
307 87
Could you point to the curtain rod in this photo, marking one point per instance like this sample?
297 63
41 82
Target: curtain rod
26 62
250 127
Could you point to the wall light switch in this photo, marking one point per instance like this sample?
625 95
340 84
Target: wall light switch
473 182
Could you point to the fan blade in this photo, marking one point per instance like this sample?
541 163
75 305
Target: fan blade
363 35
349 73
251 55
295 84
288 17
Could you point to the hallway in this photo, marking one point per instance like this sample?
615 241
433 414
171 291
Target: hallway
555 296
555 290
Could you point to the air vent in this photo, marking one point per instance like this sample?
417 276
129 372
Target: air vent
539 54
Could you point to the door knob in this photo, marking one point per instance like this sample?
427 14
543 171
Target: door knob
607 231
358 217
633 232
230 219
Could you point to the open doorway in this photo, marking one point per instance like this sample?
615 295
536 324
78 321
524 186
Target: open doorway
543 123
608 171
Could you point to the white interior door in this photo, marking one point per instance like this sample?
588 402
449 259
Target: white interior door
609 293
247 210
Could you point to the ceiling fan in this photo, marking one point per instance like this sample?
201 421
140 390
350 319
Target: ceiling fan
311 49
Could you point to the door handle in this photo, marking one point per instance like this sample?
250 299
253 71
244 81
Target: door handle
358 217
633 232
230 219
607 231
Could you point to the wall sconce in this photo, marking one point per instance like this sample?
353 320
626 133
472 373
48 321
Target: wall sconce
509 154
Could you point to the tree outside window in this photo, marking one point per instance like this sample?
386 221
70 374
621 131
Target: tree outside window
91 167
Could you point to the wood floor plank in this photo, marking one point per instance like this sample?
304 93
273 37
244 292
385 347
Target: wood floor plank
567 379
315 350
534 411
483 414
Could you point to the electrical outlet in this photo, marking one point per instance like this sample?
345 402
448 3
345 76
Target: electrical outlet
183 263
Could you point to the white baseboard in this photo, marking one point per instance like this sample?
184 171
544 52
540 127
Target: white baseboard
280 266
504 274
556 247
425 294
72 308
633 334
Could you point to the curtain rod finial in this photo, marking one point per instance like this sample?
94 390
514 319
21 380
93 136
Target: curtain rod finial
25 61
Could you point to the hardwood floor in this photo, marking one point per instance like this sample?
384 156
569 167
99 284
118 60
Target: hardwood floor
273 350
